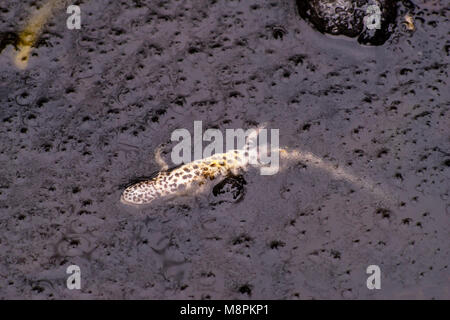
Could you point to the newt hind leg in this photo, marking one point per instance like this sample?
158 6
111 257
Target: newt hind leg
163 166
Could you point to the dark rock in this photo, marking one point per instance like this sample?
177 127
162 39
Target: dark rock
231 189
346 17
8 38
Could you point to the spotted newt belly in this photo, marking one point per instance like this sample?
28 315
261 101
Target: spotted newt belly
186 177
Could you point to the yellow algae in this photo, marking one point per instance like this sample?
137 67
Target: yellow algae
409 22
32 30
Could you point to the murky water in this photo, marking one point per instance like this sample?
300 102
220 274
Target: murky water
87 113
